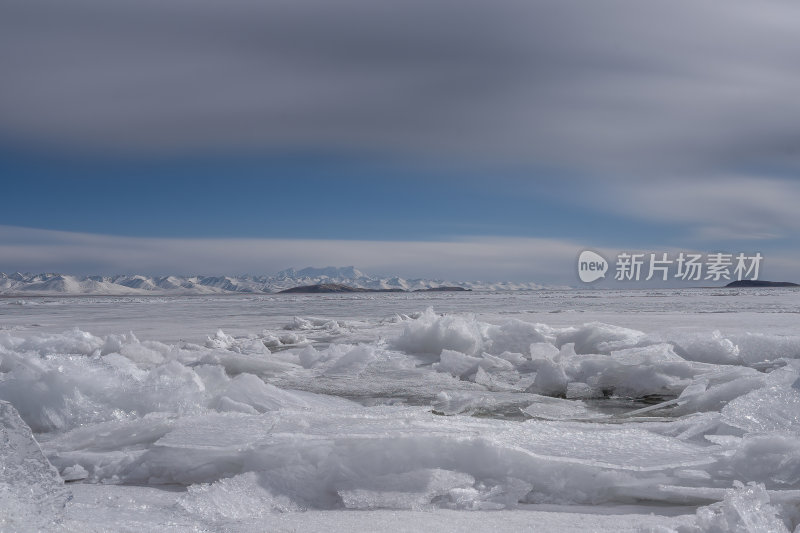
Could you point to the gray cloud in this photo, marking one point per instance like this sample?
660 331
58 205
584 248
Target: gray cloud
721 207
479 258
548 261
618 87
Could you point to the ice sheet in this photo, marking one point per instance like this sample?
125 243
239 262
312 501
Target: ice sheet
258 407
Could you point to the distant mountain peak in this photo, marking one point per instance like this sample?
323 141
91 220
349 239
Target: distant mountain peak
136 284
347 272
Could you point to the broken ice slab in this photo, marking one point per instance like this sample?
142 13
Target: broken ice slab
485 403
409 490
32 494
605 446
743 508
549 408
765 409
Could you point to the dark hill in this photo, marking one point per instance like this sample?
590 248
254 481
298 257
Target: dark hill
759 283
332 288
443 289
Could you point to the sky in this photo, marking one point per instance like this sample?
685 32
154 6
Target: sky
463 140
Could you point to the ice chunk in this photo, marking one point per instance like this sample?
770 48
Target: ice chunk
516 359
543 351
32 494
110 436
714 349
597 337
551 380
250 390
310 356
633 374
352 362
719 394
144 354
772 458
223 341
626 448
500 404
430 334
114 343
652 354
238 498
495 377
765 409
312 323
409 490
745 509
503 493
558 409
239 363
287 339
102 450
70 342
759 347
60 392
220 340
462 365
513 336
221 431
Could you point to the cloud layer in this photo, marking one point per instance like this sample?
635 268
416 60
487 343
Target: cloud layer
549 261
514 259
618 86
681 113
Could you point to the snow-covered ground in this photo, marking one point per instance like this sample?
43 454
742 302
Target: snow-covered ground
648 410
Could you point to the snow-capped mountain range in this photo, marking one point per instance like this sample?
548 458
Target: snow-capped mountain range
54 284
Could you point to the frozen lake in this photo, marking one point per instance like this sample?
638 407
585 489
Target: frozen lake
169 319
662 410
